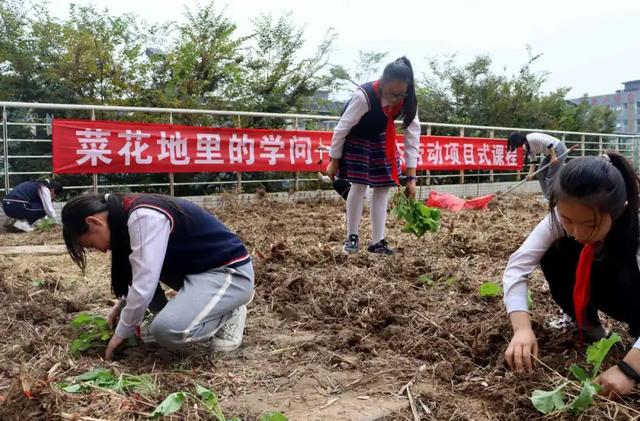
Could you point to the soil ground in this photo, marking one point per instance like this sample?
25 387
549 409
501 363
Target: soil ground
328 337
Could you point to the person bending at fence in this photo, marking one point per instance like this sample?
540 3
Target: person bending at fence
156 238
587 247
30 201
540 144
364 152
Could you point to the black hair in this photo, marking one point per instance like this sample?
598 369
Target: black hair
74 214
608 184
517 139
401 70
52 184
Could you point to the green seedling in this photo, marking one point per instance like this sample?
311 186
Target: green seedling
106 379
94 331
426 280
490 290
418 218
38 283
555 400
206 399
46 224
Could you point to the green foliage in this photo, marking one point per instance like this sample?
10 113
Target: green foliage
46 224
273 416
426 280
490 289
203 396
418 218
473 94
93 331
554 400
106 379
171 404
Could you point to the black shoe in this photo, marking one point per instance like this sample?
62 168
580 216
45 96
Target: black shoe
351 244
381 247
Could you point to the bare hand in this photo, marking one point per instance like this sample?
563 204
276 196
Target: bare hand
614 381
530 177
112 347
410 189
114 315
332 169
521 350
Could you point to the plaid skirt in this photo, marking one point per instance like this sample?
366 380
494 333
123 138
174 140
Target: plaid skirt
364 161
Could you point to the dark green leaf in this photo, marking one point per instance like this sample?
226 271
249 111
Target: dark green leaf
578 372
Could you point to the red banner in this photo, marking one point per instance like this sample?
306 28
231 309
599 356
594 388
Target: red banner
87 147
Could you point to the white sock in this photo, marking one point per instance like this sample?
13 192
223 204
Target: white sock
355 203
379 200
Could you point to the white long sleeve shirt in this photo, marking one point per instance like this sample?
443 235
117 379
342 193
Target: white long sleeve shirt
541 143
524 260
45 197
359 106
149 232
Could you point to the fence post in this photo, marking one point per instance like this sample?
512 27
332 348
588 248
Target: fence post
5 148
599 145
239 173
94 178
582 145
492 134
171 175
428 171
296 175
461 171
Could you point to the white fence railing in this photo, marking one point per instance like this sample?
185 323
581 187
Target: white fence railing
35 120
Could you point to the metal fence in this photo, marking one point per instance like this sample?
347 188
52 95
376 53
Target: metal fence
31 123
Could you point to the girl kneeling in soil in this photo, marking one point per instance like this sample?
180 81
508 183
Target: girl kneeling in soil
30 201
587 247
152 238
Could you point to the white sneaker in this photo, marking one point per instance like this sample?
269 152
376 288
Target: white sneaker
229 337
23 226
144 334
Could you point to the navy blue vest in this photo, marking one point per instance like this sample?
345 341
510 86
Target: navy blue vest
27 191
198 241
373 122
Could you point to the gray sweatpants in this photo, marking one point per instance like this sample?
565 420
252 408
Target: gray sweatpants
202 305
546 176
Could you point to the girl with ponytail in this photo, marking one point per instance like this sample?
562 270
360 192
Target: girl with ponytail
587 248
364 151
156 239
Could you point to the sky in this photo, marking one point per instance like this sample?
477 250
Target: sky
589 46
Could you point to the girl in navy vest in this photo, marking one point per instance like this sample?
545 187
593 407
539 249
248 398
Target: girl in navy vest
587 247
156 238
364 152
31 201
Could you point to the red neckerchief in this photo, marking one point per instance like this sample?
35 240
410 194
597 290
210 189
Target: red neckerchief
581 289
390 131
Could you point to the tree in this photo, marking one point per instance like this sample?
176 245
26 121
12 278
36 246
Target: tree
276 78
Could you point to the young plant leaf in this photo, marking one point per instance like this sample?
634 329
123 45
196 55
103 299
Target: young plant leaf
548 401
597 352
171 404
579 372
73 388
585 398
273 416
208 397
490 289
426 280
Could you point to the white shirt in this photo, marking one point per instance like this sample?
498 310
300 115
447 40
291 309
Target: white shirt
524 260
45 197
149 232
541 144
359 106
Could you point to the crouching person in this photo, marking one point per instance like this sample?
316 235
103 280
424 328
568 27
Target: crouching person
156 238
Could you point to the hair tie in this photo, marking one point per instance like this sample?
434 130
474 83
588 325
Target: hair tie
106 196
